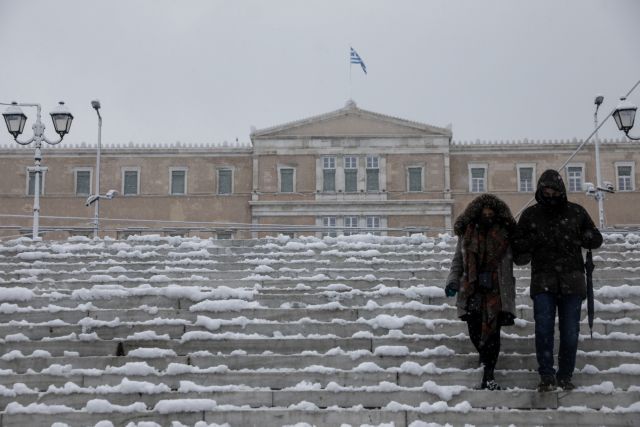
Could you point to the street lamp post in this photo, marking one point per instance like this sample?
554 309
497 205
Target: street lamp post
96 218
15 120
599 194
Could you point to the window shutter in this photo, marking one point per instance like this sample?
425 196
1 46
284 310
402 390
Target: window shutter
373 183
83 186
130 182
177 182
415 179
351 180
286 180
224 181
329 180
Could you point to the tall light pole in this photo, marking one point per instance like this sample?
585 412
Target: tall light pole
15 120
599 194
96 217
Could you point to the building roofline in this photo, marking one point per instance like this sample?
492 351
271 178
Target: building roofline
350 108
536 142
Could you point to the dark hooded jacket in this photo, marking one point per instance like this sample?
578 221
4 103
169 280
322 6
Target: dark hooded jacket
552 234
504 220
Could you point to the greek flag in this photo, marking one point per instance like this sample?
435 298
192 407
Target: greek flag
355 59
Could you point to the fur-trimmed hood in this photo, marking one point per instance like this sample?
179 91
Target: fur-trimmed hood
473 212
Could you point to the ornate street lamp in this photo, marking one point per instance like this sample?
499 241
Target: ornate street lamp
15 120
62 119
625 115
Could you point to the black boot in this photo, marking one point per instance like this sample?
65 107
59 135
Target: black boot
565 384
488 381
547 383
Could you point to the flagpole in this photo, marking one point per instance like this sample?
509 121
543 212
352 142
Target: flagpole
350 85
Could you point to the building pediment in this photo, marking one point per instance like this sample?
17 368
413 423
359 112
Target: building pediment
350 122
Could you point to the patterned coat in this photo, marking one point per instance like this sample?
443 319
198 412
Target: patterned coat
506 281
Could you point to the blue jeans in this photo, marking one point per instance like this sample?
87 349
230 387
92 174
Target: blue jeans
544 312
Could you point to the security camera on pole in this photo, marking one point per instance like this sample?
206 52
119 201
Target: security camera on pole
15 120
95 198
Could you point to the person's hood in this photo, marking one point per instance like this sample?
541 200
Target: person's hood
552 179
473 212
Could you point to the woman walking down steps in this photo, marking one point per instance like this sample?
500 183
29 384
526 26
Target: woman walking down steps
482 276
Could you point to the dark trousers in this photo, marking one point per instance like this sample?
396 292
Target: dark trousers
544 311
491 348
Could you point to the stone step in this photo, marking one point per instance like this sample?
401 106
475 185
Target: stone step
213 247
442 357
227 343
249 379
268 244
232 264
277 379
47 253
199 290
379 326
159 257
137 314
315 281
344 399
617 288
218 270
291 299
142 313
109 262
277 417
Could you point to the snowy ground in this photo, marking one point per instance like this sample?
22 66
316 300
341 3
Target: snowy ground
326 330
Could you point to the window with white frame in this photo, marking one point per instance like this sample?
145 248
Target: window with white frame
373 222
328 174
130 181
82 178
327 222
625 172
526 176
350 174
477 178
414 178
350 222
373 173
225 181
287 180
31 183
178 181
575 177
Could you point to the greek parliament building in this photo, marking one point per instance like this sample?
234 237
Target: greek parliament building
341 172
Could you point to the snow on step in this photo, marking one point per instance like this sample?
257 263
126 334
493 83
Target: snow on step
307 331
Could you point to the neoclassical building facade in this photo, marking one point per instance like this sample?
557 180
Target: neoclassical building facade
346 171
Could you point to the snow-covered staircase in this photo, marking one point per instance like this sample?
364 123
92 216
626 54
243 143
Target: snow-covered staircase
354 330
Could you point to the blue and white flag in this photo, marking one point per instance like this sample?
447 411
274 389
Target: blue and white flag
355 59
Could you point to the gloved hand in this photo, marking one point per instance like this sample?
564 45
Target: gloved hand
591 239
451 289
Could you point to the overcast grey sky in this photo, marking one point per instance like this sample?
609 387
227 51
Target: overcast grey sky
205 71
